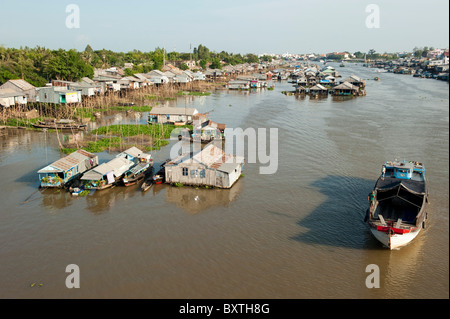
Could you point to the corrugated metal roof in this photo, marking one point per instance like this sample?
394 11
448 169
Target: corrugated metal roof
318 87
212 157
353 78
118 166
68 162
22 84
346 86
133 151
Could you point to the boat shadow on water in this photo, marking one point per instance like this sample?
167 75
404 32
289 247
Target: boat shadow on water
339 220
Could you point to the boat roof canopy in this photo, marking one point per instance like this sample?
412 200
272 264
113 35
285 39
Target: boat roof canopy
414 187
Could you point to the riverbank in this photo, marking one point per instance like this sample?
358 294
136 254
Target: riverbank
95 108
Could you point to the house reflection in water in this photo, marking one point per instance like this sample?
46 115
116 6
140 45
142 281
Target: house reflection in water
196 200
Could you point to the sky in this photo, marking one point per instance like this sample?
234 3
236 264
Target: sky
244 26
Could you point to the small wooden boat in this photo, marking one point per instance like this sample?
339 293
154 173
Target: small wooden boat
77 191
60 125
158 179
160 176
398 203
147 184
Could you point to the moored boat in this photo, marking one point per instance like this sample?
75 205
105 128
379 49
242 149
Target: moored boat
60 125
398 204
158 179
137 172
147 184
160 176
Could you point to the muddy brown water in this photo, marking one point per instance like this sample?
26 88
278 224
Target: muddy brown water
298 233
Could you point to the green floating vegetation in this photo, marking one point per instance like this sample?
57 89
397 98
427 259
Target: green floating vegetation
89 113
178 184
162 131
194 93
98 146
115 137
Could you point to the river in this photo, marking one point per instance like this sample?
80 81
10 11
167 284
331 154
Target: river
298 233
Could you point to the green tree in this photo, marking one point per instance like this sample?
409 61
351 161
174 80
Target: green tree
216 64
158 59
203 53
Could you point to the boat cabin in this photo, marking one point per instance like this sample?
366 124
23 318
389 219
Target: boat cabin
405 170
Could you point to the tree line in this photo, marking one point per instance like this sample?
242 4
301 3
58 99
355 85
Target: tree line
40 65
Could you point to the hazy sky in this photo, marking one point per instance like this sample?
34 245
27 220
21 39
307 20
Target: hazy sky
244 26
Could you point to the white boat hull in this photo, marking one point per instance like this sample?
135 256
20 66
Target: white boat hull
395 241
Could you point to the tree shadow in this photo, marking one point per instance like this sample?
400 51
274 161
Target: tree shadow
339 221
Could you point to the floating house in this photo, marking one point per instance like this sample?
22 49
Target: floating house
300 90
318 89
66 169
108 174
356 81
345 88
209 130
238 85
171 115
209 167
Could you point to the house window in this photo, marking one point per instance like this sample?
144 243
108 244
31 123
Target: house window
194 173
202 173
185 171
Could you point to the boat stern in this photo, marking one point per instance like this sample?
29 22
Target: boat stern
393 240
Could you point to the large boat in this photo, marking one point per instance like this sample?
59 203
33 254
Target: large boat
398 204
